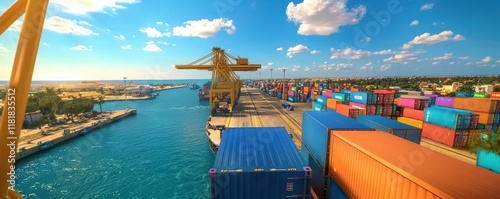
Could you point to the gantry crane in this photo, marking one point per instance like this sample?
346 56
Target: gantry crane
224 80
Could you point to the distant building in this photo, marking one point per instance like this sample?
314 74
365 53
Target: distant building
141 90
451 88
32 118
484 88
426 86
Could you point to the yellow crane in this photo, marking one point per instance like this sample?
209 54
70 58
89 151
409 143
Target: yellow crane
224 80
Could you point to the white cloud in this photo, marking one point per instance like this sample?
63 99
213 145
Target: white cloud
429 39
315 52
45 44
153 33
366 66
267 66
343 66
307 69
166 43
434 23
485 60
84 7
204 28
446 56
366 39
452 63
120 37
385 67
81 47
404 56
349 53
323 17
436 62
279 49
65 26
174 45
159 23
152 47
427 6
292 51
84 23
498 61
464 58
126 47
295 68
414 23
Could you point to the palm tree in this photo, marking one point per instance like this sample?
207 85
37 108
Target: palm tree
100 101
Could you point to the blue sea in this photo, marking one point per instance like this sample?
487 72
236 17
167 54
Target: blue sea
162 152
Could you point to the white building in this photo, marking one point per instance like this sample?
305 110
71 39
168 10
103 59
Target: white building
484 88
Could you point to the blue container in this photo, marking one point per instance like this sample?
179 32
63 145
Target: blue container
279 95
335 191
345 91
463 94
318 106
321 99
259 163
396 128
363 97
448 117
293 99
316 127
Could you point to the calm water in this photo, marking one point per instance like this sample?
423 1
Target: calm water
162 152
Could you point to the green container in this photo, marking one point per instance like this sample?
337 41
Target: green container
397 95
294 88
378 110
480 95
481 126
340 96
394 107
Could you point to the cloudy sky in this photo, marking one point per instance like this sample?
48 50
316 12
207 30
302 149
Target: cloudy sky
143 39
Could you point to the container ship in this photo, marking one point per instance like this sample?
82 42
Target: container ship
194 86
203 94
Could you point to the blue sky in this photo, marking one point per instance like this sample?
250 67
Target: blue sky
94 40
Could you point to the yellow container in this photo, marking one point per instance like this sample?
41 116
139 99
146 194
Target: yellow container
411 122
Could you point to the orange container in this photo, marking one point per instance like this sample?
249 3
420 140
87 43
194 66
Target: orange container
347 111
354 89
476 104
332 103
411 122
337 90
375 164
485 118
495 95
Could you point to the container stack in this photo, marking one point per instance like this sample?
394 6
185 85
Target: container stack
317 128
448 126
390 126
412 108
378 165
364 101
487 109
320 103
463 94
276 170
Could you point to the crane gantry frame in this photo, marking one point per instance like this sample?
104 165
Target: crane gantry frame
224 78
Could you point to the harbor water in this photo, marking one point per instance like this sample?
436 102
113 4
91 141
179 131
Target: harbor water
162 152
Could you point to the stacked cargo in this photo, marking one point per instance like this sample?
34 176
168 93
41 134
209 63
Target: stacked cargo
463 94
332 103
367 102
277 164
297 92
480 95
344 98
348 111
378 165
487 109
316 132
448 126
495 95
387 125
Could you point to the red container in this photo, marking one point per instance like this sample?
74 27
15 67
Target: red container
449 137
370 109
384 91
336 90
387 110
413 113
291 93
495 95
347 111
474 121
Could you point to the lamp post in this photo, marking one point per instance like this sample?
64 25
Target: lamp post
271 75
284 69
125 90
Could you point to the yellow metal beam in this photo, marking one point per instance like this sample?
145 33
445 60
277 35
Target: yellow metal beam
19 86
252 67
12 14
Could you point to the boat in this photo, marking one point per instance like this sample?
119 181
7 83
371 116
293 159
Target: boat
46 145
194 86
204 92
214 135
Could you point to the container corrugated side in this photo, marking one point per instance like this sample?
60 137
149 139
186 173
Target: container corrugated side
315 130
448 117
388 125
273 161
377 165
335 191
339 96
321 99
445 101
488 160
485 118
450 137
413 113
411 122
332 103
347 111
363 97
319 174
495 95
318 106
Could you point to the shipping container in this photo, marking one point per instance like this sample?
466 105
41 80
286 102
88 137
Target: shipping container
474 120
332 103
476 104
279 95
449 137
411 122
339 96
413 113
463 94
345 91
485 118
347 111
321 99
412 102
495 95
370 109
396 128
448 117
319 174
327 94
274 161
480 95
334 190
378 165
384 91
445 101
488 160
318 106
363 97
316 127
291 93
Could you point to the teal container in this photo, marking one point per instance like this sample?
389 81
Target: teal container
340 96
481 126
488 160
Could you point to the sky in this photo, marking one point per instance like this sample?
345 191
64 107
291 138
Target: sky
144 39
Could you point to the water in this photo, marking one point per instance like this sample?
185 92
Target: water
162 152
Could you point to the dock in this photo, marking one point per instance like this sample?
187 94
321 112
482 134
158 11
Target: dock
256 108
27 148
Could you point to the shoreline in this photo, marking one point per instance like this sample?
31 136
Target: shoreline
108 98
26 148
